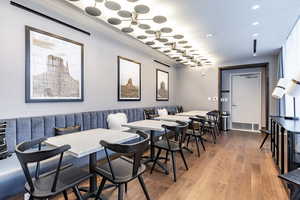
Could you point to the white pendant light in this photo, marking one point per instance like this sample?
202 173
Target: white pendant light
294 86
280 88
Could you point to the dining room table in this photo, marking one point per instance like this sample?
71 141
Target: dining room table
87 143
151 126
174 118
194 113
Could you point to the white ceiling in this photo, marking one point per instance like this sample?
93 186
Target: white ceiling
231 23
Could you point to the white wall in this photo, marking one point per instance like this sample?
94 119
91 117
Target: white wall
196 87
100 70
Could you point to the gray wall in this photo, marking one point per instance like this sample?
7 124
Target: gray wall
100 78
198 85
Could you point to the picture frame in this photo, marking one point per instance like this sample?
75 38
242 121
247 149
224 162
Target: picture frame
54 69
162 85
129 79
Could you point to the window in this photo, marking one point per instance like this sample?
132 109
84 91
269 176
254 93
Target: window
291 66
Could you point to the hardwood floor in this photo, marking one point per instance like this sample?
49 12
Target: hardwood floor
232 169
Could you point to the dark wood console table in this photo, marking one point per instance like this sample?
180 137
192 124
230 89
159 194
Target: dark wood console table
283 136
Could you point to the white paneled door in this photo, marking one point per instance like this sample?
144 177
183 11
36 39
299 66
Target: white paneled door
246 101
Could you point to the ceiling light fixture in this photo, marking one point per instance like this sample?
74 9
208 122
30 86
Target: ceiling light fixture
255 23
255 35
143 23
255 7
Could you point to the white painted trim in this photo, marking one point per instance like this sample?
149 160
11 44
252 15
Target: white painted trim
231 92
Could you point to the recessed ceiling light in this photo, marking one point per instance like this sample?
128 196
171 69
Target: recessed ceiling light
255 35
255 23
209 35
255 7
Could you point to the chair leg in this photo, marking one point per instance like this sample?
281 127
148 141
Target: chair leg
202 143
183 158
126 188
264 140
77 193
155 160
188 141
174 165
102 184
141 180
120 191
197 145
167 156
30 198
65 195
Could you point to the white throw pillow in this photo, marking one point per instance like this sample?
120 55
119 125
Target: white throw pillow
162 112
115 121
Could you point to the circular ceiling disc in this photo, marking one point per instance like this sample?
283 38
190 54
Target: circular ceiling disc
167 51
193 50
99 1
183 42
166 30
175 57
187 47
196 54
127 30
114 21
178 37
163 40
112 5
150 32
168 44
156 47
141 9
124 13
132 0
179 60
159 19
93 11
150 43
142 37
144 26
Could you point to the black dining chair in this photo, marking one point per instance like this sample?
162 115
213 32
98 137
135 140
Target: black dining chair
211 125
122 170
149 114
172 146
197 126
179 109
52 183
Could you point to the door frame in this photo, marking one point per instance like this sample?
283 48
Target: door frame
260 94
247 66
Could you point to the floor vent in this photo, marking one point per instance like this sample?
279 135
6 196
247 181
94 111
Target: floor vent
245 126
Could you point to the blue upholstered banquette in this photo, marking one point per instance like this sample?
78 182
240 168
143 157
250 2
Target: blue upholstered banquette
24 129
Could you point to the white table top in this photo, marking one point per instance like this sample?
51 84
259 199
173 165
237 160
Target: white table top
87 142
194 113
173 118
148 125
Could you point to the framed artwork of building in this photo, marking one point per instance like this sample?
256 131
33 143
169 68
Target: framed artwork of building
162 85
54 68
129 80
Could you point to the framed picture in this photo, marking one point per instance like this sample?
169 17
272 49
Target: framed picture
162 85
129 80
54 68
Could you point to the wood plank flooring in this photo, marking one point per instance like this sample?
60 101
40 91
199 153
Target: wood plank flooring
232 169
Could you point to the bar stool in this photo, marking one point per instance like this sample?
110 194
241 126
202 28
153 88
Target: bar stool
293 180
